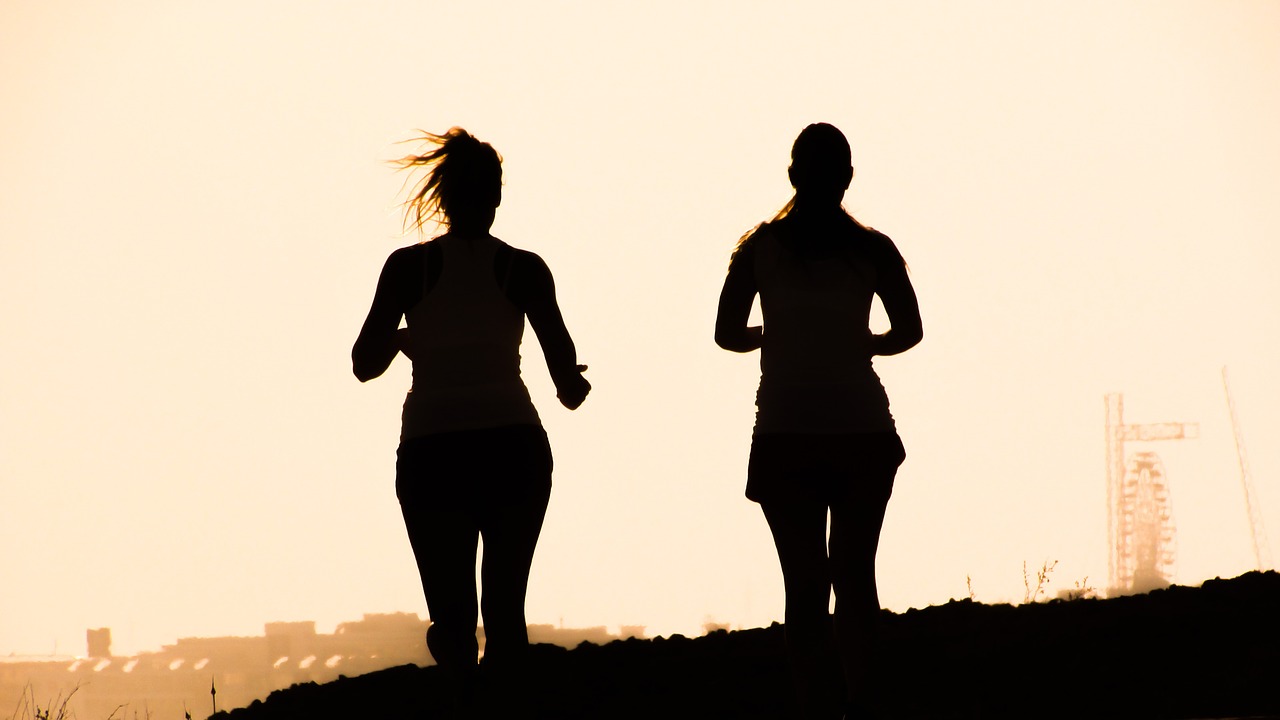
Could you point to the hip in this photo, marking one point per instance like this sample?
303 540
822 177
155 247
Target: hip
438 411
511 462
822 408
822 466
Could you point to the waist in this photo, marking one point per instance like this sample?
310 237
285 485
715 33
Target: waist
812 369
435 410
474 366
823 407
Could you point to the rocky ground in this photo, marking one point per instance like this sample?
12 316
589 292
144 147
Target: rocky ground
1184 652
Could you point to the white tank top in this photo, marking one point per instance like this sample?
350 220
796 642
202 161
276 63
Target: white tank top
815 370
465 337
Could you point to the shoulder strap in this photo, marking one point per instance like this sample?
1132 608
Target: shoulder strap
432 265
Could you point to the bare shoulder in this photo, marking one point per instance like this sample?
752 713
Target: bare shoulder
771 229
528 264
402 275
883 249
528 256
747 245
528 279
878 237
403 261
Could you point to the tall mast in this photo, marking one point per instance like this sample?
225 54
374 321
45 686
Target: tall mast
1257 532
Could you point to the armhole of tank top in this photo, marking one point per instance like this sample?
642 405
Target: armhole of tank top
507 255
430 250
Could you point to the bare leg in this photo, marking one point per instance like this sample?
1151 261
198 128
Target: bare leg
799 532
510 535
510 523
444 547
855 534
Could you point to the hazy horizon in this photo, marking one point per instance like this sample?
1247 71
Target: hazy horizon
196 203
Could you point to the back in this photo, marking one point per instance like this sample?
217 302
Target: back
815 364
465 337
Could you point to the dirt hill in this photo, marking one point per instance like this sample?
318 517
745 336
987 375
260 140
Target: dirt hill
1184 652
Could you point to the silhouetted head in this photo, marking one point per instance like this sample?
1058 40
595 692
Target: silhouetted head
463 185
821 164
821 169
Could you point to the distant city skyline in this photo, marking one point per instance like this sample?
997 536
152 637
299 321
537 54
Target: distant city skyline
179 676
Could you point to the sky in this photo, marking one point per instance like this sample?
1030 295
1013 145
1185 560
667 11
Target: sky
195 202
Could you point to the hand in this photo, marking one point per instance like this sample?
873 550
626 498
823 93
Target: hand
402 342
868 343
575 389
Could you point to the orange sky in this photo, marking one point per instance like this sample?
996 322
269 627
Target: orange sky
194 206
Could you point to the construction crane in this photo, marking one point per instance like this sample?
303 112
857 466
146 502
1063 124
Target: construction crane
1261 549
1140 530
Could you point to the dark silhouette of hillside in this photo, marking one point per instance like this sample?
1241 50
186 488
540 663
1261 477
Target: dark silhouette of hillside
1183 652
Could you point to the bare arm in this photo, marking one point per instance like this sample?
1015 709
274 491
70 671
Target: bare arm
379 341
900 304
736 298
536 294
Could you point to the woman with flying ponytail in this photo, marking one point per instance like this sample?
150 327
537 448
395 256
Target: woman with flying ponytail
473 460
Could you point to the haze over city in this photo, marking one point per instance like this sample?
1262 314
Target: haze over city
195 202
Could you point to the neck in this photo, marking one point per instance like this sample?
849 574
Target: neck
824 201
469 229
472 221
818 212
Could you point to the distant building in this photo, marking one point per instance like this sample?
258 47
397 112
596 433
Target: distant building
99 642
179 677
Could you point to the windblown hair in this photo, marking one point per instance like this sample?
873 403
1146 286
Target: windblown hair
464 177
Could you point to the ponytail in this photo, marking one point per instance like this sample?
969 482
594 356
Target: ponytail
464 176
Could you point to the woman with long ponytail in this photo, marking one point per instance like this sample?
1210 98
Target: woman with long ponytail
824 441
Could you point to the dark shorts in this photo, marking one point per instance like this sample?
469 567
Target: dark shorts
823 468
492 466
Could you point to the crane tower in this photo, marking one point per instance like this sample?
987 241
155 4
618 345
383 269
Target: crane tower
1140 532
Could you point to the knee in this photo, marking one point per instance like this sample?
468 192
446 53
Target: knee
850 569
854 586
810 607
502 607
809 599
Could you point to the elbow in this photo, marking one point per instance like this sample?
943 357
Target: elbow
737 344
909 337
724 332
363 369
727 340
917 334
914 336
732 337
897 340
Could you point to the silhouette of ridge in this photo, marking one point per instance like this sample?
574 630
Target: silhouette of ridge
1211 651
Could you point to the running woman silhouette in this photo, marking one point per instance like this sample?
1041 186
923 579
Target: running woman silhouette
824 440
473 459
